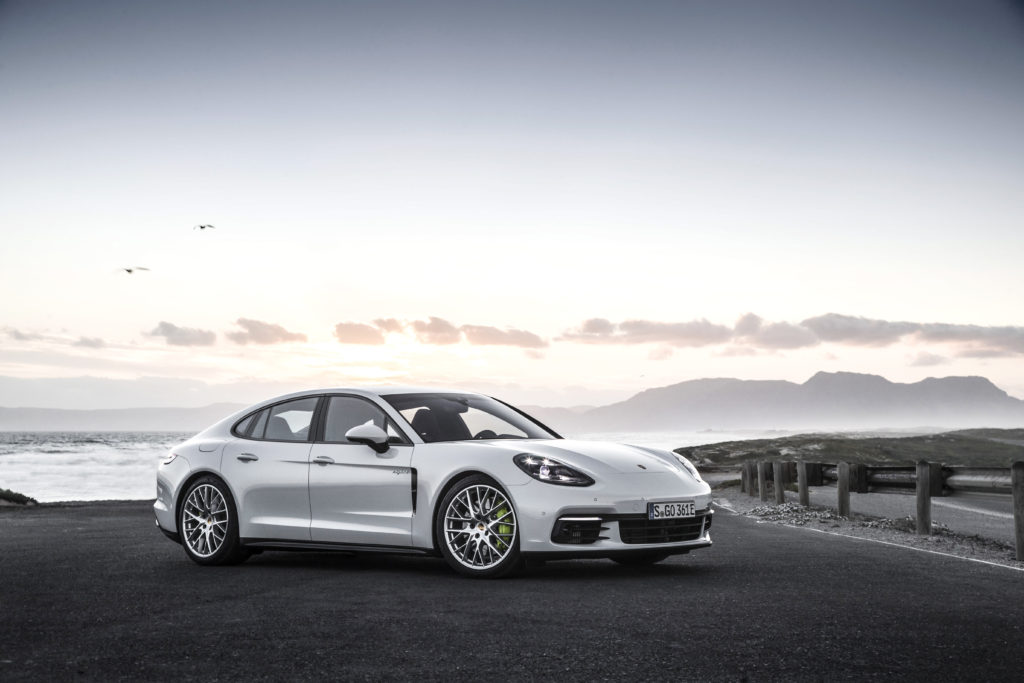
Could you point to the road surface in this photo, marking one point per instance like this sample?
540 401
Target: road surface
94 592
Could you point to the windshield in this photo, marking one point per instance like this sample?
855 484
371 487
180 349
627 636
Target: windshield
464 417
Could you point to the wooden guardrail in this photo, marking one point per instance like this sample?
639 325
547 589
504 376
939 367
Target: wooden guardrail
927 479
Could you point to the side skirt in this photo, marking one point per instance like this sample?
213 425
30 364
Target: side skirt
272 544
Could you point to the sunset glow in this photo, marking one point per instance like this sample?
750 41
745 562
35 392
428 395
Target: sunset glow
557 205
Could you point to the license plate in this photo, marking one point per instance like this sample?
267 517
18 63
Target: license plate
670 510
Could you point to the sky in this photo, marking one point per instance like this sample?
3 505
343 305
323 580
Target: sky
558 203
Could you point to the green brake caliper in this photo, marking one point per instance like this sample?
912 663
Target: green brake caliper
503 529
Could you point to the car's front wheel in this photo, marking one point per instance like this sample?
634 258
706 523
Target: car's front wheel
477 529
208 523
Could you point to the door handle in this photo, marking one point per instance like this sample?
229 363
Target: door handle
323 460
248 457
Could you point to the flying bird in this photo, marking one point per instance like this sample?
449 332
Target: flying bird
133 269
204 227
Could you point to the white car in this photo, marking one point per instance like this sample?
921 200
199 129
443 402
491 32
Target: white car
404 470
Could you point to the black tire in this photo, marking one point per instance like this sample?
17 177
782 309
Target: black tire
200 539
640 559
481 530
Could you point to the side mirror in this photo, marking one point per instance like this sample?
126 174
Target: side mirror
369 435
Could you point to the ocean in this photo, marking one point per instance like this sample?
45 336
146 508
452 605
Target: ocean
60 466
65 466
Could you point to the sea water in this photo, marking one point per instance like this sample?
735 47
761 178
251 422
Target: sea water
59 466
63 466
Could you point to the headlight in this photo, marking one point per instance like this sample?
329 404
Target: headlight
688 465
551 471
169 459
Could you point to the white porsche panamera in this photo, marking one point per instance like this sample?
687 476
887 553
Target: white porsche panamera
402 470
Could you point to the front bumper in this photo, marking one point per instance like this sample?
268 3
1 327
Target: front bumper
610 518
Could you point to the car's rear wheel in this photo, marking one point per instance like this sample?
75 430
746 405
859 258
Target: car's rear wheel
477 529
640 559
208 523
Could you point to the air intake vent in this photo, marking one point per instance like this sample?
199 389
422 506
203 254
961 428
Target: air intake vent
643 530
577 530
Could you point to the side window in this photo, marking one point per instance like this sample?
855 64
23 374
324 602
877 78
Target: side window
242 428
393 434
261 424
346 412
289 421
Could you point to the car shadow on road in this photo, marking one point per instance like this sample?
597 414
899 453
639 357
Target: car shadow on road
433 566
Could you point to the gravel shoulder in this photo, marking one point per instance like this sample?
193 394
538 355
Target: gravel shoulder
896 530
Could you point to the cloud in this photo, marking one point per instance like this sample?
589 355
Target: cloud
992 341
981 341
983 353
753 332
594 330
358 333
751 329
482 335
691 333
259 332
18 335
183 336
436 331
784 336
847 329
925 359
748 325
90 342
388 325
684 334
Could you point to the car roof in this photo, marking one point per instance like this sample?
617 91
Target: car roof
367 391
382 390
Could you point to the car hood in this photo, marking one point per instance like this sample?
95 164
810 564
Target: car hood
598 457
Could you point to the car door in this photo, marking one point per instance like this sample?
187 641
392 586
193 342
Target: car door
267 468
356 495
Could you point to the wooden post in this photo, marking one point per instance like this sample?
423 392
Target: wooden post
743 478
1017 483
801 483
779 482
924 498
751 479
843 489
762 480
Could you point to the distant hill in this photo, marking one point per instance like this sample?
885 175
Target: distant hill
114 420
827 401
972 447
839 401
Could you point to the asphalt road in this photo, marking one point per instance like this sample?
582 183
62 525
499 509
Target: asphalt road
96 593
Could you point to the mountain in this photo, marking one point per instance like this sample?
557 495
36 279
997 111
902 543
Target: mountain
827 401
114 420
840 400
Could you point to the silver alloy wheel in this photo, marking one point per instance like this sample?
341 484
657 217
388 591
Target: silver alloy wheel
204 520
480 527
